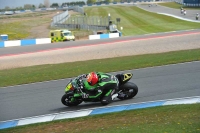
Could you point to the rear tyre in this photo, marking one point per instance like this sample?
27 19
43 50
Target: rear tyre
67 100
129 89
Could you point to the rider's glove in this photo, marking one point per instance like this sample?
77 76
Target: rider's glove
84 75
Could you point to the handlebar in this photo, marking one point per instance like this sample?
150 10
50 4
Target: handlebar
80 82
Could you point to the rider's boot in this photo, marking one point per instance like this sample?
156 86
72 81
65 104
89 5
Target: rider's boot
108 98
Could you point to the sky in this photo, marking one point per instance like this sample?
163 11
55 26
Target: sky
21 3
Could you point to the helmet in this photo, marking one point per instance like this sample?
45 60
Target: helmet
92 78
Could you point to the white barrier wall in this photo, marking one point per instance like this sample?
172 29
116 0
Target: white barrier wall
12 43
103 36
93 37
43 40
24 42
113 35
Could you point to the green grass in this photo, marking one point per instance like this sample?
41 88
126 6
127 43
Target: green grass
164 119
136 21
14 30
58 71
177 6
19 26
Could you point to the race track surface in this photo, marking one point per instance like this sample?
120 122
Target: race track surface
14 57
166 82
157 83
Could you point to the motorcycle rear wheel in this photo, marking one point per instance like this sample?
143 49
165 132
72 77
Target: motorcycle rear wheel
129 89
66 100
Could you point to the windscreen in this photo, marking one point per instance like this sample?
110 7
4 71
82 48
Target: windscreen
67 34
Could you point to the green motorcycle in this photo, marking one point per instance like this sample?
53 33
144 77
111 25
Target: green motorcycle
78 90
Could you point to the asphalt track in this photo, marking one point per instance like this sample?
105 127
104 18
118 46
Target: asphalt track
157 83
13 57
167 82
12 51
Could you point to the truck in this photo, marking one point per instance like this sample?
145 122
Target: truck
61 35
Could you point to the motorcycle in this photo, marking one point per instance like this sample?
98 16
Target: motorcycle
76 92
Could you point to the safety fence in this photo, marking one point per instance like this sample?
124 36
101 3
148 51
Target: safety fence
84 22
60 18
24 42
104 36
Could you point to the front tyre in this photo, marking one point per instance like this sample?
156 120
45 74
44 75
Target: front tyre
69 100
129 90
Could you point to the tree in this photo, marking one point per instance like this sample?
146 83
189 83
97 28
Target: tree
33 7
108 1
46 3
54 5
64 5
41 5
116 0
28 6
7 8
91 1
78 3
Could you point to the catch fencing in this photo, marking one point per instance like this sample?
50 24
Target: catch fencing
60 18
83 22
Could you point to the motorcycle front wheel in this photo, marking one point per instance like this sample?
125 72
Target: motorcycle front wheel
67 100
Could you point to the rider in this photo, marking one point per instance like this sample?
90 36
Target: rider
102 83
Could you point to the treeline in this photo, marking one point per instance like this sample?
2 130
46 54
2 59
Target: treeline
56 5
45 5
105 1
81 3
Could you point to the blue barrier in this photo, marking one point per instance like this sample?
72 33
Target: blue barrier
11 43
1 44
103 36
28 42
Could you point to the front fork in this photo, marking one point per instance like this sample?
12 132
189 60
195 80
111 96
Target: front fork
72 96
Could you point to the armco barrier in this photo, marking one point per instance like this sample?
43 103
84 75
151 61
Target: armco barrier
103 36
24 42
101 110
